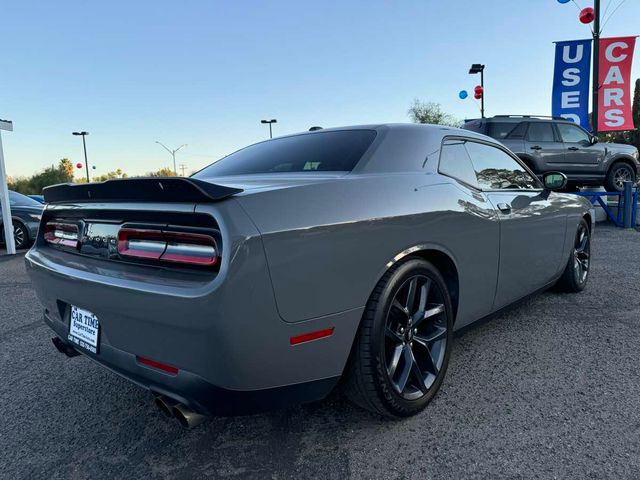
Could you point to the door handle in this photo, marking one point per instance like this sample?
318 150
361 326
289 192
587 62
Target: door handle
573 149
536 147
504 207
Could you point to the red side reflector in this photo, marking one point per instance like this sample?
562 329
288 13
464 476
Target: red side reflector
157 365
308 337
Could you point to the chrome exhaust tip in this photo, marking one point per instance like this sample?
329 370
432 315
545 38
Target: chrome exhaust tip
187 417
165 405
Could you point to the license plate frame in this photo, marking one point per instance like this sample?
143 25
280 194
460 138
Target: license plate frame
84 329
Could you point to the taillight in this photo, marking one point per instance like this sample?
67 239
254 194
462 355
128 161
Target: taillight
59 233
177 247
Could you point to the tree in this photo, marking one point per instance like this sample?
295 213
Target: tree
49 176
118 173
163 172
66 165
431 112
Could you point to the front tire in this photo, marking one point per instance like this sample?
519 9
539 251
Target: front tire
619 173
576 273
402 350
20 235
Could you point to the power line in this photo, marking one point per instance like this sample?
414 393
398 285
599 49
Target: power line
611 14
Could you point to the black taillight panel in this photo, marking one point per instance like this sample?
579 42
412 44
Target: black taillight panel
168 240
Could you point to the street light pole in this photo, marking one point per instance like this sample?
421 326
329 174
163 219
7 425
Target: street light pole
173 154
270 122
84 145
479 68
596 67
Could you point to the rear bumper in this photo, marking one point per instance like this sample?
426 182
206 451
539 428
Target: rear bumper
194 391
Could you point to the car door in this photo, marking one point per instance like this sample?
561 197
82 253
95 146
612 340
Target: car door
542 144
581 156
532 222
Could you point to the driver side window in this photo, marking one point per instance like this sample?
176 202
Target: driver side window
496 170
573 134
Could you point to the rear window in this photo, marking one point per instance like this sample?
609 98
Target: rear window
337 151
17 199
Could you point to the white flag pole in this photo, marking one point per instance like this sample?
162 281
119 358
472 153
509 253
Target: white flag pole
4 195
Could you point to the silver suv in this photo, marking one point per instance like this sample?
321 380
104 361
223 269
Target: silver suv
554 144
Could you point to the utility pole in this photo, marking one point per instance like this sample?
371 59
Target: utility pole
84 144
596 67
182 167
173 154
270 122
7 222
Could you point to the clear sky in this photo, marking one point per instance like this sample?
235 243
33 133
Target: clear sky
205 72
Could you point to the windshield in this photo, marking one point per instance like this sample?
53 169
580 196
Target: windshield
17 199
336 151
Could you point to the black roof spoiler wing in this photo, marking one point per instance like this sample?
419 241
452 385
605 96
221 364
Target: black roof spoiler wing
156 189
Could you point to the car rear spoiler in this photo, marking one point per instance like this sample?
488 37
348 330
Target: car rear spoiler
157 189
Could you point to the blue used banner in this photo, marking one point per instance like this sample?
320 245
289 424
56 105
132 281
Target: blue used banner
571 75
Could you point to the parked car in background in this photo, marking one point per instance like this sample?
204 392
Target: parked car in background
556 144
26 213
262 279
37 198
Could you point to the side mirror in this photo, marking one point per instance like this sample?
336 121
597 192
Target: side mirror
594 139
554 180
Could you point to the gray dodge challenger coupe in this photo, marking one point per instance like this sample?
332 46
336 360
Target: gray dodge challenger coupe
262 280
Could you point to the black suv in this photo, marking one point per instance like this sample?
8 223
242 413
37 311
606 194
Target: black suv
554 144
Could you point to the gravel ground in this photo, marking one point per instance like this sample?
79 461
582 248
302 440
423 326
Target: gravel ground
549 389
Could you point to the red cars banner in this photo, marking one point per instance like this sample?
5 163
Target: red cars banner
614 98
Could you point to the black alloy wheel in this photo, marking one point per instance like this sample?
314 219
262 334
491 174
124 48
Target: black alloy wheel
576 273
415 337
400 356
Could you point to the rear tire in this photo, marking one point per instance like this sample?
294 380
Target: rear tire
576 273
402 349
619 173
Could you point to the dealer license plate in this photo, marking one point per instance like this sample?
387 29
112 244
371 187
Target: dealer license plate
84 329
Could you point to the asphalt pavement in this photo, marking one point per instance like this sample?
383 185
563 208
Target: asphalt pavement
548 389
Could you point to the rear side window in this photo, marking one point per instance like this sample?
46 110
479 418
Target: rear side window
504 130
337 151
455 162
540 132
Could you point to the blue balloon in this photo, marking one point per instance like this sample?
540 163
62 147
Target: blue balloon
463 94
563 1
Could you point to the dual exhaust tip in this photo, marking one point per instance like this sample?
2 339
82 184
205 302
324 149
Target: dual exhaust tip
173 409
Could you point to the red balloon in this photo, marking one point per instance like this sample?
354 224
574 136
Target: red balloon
477 95
587 15
478 89
78 165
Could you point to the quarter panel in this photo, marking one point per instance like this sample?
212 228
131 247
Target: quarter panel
328 245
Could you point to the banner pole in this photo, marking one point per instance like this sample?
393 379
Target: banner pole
596 68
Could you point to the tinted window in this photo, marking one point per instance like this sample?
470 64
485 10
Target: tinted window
540 132
502 130
455 162
474 126
322 151
496 170
572 133
16 198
